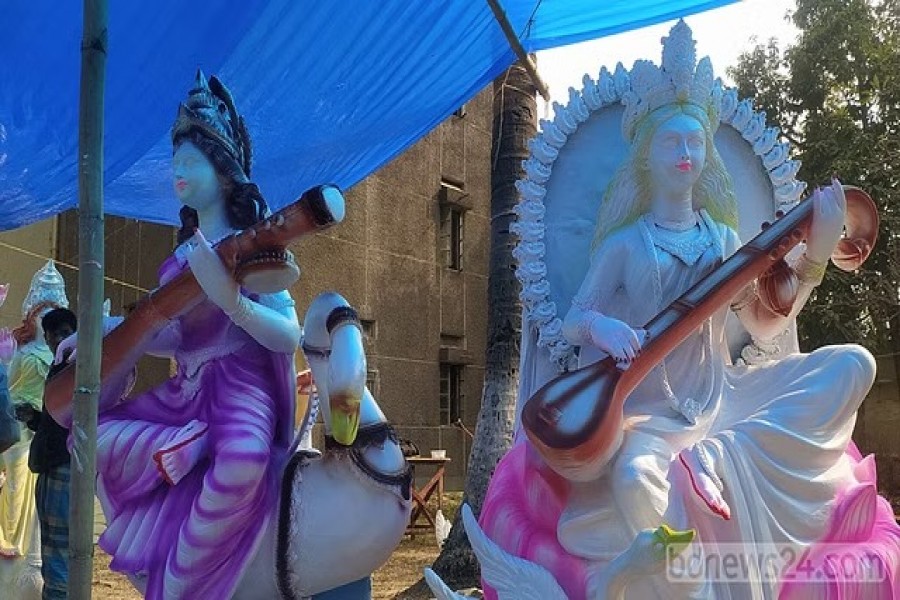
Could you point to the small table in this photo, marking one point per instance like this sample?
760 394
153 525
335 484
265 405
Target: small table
421 496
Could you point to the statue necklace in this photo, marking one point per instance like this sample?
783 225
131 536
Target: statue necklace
688 242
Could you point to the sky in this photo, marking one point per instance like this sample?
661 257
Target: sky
722 34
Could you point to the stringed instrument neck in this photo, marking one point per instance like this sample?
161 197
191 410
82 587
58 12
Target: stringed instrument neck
257 257
715 290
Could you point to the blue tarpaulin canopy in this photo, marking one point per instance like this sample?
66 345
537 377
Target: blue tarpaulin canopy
331 90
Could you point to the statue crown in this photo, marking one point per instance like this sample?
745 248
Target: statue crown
209 108
680 79
47 285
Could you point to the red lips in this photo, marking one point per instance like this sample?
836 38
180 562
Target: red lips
684 167
180 185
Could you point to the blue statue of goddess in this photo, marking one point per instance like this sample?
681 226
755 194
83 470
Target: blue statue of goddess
755 459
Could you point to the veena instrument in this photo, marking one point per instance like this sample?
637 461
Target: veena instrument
576 419
257 257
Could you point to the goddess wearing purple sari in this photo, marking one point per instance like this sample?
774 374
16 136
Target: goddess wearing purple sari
189 471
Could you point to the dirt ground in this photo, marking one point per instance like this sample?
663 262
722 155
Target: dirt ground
403 569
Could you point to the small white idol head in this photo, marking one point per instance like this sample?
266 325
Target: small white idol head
47 285
196 182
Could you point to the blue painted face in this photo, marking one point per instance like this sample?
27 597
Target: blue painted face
677 154
195 181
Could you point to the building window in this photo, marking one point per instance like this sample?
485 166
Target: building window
369 329
372 382
454 202
452 236
451 396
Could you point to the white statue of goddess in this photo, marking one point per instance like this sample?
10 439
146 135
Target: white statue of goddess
763 446
753 458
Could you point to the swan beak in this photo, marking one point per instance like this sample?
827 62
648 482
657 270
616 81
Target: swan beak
674 541
344 417
347 382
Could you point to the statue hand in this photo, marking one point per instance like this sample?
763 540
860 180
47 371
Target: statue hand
110 323
829 208
8 346
212 275
65 352
615 337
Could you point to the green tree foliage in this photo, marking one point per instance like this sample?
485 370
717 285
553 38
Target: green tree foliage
836 95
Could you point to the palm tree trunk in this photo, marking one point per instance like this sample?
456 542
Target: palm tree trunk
515 120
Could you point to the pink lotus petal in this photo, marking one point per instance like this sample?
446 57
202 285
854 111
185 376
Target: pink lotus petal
865 471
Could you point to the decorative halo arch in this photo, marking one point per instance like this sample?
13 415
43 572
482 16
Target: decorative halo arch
571 162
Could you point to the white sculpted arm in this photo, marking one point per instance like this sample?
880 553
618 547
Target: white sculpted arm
759 321
274 324
585 323
828 222
272 321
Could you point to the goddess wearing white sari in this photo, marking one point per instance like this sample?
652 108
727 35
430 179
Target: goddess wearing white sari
756 459
763 446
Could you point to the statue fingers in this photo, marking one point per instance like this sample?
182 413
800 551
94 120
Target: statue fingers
623 361
66 349
643 336
211 274
817 201
198 247
839 194
110 323
203 260
830 202
634 341
616 350
200 239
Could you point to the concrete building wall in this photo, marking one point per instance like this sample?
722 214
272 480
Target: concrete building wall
388 260
22 252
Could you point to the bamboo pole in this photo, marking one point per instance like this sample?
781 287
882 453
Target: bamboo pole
90 299
514 43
